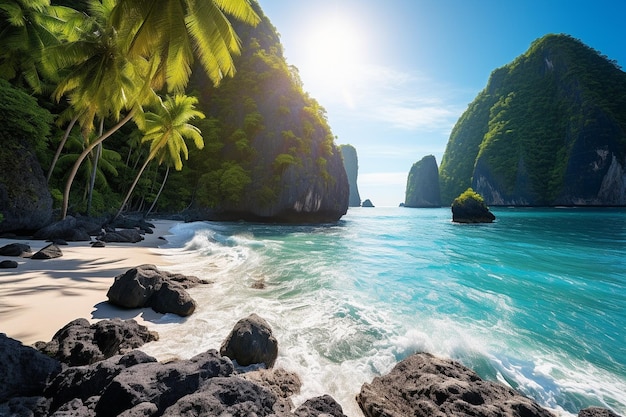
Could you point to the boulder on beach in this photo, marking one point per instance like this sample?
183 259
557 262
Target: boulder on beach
251 342
51 251
596 412
8 264
24 371
423 385
81 343
70 229
147 286
16 249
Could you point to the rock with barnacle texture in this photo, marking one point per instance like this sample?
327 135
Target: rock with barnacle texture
423 385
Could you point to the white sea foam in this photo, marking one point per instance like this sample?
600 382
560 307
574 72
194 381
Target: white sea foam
346 308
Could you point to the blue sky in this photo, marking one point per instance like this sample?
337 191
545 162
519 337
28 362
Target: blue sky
394 76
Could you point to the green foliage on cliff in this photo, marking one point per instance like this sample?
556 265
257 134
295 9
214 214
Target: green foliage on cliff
536 116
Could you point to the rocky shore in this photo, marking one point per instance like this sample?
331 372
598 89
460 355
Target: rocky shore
97 370
96 367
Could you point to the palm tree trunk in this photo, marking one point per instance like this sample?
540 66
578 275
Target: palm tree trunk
81 158
132 187
94 171
60 148
167 172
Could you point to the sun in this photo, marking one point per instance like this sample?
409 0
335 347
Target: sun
333 52
334 45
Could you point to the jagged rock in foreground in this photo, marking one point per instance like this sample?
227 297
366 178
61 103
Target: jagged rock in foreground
250 342
24 371
422 185
80 343
147 286
135 384
423 385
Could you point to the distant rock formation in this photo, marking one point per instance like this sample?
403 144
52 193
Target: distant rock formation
422 186
368 203
547 130
351 164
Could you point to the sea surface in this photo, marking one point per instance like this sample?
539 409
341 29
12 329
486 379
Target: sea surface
536 300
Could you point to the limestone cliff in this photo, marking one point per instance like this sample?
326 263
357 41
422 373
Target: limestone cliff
422 186
351 164
549 129
269 153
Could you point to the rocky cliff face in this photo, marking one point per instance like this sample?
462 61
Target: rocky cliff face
270 154
422 187
549 129
351 164
25 202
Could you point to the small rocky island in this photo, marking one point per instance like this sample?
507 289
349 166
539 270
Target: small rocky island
470 207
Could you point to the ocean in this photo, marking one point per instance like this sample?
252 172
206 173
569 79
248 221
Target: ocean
535 300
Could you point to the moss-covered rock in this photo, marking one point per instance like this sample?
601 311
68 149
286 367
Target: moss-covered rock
469 207
422 185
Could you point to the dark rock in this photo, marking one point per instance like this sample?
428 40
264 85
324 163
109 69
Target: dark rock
283 384
251 342
84 382
596 412
226 397
351 165
98 244
423 385
130 222
25 201
122 236
367 203
24 371
60 242
69 229
320 406
469 207
8 264
48 252
172 298
147 286
15 249
25 407
81 343
160 384
422 186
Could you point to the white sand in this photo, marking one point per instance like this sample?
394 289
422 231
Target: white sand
41 296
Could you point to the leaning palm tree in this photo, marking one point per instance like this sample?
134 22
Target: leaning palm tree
166 130
158 37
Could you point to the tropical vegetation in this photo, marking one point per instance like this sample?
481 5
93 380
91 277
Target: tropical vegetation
538 123
96 65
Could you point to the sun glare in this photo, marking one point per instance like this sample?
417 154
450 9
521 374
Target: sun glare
333 53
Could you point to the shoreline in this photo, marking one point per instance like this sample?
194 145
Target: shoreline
39 297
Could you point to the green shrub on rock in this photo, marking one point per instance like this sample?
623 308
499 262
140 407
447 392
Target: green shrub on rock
470 207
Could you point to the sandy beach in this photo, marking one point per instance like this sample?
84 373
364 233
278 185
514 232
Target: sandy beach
41 296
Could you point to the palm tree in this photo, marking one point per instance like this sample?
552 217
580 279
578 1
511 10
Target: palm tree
27 27
166 130
157 38
171 30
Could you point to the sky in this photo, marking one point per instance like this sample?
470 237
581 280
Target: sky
395 76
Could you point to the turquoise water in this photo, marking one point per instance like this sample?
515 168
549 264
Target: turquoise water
536 299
